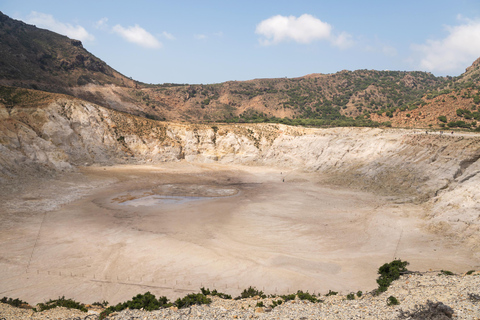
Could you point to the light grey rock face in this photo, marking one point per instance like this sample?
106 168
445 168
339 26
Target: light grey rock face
440 170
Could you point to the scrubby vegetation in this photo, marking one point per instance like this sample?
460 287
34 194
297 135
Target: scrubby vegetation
250 293
390 272
392 301
331 293
192 299
301 296
214 292
61 302
15 302
446 272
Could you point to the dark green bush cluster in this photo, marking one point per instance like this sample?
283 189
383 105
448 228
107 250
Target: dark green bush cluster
390 272
341 121
459 124
149 302
251 292
145 301
288 297
61 302
15 302
100 304
467 114
276 303
351 296
192 299
446 272
306 296
301 295
214 292
331 293
443 119
392 301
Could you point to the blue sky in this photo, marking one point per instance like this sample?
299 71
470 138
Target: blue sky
216 41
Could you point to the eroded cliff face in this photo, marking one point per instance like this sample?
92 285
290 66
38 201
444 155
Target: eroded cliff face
440 171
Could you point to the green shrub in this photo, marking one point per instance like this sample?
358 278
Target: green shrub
251 292
447 273
16 303
145 301
443 119
207 292
192 299
260 304
359 293
306 296
351 296
61 302
392 301
390 272
276 303
331 293
288 297
470 272
100 304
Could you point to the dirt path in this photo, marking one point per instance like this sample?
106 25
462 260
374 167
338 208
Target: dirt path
171 229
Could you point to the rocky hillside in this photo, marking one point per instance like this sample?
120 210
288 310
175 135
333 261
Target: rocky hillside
43 134
322 97
455 105
40 59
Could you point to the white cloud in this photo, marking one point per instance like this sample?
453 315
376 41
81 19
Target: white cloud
47 21
137 35
343 40
453 53
102 23
200 36
168 36
304 29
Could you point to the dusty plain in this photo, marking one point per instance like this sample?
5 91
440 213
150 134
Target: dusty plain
108 233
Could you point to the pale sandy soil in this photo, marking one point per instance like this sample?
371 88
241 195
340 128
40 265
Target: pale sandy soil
109 233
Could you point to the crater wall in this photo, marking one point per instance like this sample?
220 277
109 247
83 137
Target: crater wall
438 170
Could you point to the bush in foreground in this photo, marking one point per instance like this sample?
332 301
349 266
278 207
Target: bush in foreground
16 303
251 292
192 299
390 272
61 302
207 292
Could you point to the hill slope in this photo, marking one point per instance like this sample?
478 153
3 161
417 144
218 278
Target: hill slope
455 105
41 59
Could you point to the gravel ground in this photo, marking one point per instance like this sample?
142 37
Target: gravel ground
456 291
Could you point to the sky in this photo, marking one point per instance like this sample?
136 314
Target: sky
216 41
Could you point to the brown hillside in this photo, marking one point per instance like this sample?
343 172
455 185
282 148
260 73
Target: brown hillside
458 101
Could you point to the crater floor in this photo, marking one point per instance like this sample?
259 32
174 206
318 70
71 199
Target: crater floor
108 233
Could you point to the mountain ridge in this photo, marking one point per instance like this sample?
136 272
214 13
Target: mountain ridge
40 59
